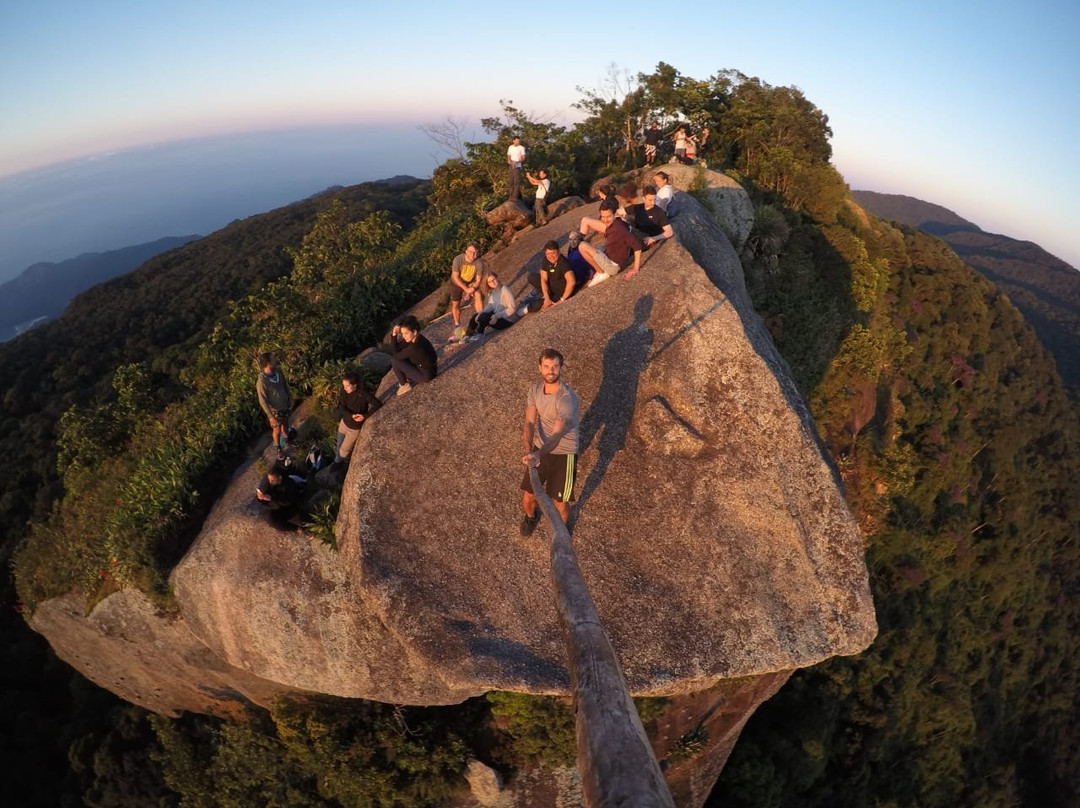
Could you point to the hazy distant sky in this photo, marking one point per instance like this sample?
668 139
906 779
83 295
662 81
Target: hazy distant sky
971 105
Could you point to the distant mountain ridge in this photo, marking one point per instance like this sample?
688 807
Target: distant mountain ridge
1044 288
44 289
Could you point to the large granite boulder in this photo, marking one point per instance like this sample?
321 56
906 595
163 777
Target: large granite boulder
709 525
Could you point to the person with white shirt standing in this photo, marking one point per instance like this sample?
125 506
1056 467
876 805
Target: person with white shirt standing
515 159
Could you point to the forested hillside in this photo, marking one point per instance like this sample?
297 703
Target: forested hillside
1045 289
152 319
43 290
943 412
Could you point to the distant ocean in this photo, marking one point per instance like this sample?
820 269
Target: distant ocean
194 186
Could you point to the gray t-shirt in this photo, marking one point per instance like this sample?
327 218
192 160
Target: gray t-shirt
563 403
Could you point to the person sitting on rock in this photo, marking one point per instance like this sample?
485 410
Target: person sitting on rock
414 359
664 189
543 186
621 248
355 405
649 218
496 312
557 280
466 280
281 494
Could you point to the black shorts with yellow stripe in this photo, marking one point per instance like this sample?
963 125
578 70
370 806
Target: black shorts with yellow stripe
558 473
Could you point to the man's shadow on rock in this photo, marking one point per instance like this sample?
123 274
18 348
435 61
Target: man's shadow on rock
625 357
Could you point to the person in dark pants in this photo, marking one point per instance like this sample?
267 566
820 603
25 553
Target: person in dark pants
414 359
355 404
498 310
280 493
275 400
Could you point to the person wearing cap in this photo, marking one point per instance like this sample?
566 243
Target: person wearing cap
515 160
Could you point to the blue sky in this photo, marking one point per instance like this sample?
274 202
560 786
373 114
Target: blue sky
970 105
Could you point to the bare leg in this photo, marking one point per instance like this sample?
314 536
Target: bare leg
455 309
528 504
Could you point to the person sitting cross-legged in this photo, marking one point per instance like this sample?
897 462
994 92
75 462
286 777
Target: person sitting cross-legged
496 312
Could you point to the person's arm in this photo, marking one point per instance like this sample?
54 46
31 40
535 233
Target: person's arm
563 425
544 289
264 402
637 265
528 432
532 180
665 234
570 281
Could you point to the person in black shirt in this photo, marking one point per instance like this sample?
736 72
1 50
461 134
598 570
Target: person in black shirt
280 493
557 281
414 360
355 404
650 219
652 140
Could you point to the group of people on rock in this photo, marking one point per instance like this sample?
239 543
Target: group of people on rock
689 147
627 226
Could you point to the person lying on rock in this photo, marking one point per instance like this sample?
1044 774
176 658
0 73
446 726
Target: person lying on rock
620 250
649 219
496 312
355 405
550 440
414 360
281 493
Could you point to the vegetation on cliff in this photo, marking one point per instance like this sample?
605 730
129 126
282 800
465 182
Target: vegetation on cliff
945 416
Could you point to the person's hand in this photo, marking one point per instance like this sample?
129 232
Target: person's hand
357 417
396 331
261 495
531 459
548 303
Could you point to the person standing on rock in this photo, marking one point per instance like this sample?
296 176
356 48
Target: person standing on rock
355 405
543 185
550 440
515 160
466 279
414 359
275 400
652 141
621 247
680 145
664 190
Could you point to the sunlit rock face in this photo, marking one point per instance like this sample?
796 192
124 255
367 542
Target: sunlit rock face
709 526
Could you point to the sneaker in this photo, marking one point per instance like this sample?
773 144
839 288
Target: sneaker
404 389
599 277
473 338
528 524
282 456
